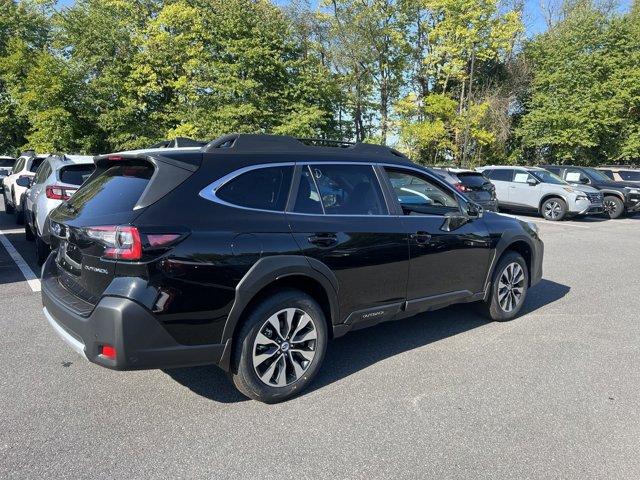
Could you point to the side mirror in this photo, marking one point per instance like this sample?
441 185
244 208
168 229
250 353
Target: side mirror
584 180
24 182
474 211
532 182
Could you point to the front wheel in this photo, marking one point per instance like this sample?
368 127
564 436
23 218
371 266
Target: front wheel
613 206
280 347
8 208
509 286
554 209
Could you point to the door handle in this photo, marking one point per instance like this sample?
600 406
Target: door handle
323 239
421 237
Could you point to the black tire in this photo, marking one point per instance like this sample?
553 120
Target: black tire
554 209
8 208
613 207
492 307
28 233
245 376
18 213
42 250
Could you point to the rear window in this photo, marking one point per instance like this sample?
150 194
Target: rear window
76 174
6 162
115 190
263 189
35 164
629 175
472 179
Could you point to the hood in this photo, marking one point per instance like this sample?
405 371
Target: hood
584 188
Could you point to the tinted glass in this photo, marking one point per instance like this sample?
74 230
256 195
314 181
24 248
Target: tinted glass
413 190
19 165
472 179
6 162
501 174
596 174
115 190
35 163
555 170
307 198
573 175
43 172
547 177
76 174
629 175
609 174
349 190
262 188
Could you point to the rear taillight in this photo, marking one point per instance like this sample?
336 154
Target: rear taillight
462 188
121 242
57 192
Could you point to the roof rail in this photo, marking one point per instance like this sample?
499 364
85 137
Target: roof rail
249 142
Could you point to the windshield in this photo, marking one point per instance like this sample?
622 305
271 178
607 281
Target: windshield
597 174
547 177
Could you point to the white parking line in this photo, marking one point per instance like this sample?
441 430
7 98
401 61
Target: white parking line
30 277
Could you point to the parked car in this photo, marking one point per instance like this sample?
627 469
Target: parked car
57 178
233 256
622 174
619 197
6 165
537 190
17 183
473 184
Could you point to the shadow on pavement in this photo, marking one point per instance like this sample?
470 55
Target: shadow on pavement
361 349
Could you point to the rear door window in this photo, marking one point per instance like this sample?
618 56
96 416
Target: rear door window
348 189
265 188
474 180
501 174
76 174
35 163
609 173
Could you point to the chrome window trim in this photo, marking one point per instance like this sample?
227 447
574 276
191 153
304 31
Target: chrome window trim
209 192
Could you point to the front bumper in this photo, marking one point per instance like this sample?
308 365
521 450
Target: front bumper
633 205
139 339
592 210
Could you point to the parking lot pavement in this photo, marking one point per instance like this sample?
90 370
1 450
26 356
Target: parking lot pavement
553 394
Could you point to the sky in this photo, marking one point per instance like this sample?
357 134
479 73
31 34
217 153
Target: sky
533 17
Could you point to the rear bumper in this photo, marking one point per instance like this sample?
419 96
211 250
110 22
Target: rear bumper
139 339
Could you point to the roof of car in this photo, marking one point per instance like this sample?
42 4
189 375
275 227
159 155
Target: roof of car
62 160
498 167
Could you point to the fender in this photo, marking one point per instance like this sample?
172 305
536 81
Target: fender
508 238
551 195
270 269
615 193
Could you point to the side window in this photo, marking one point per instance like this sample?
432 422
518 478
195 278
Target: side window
554 170
263 188
35 163
41 174
502 174
573 175
308 198
417 194
522 177
19 165
346 189
609 174
632 176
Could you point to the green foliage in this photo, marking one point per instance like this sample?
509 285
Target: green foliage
585 93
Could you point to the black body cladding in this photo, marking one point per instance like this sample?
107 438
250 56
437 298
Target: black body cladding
379 254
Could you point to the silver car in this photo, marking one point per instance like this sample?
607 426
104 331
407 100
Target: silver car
57 178
537 189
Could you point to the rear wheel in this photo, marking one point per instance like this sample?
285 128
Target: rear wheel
8 208
613 206
280 347
554 209
508 288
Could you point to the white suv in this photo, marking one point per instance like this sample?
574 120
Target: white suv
15 184
537 189
56 180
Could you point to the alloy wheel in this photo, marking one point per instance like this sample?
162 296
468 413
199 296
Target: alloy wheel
511 287
552 210
610 207
285 347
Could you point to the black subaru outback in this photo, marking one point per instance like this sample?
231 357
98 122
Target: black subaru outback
253 251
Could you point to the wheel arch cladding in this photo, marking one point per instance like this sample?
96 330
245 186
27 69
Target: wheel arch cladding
275 273
551 195
524 249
